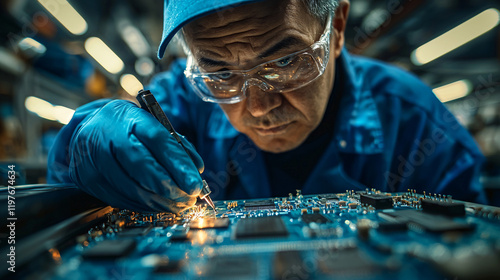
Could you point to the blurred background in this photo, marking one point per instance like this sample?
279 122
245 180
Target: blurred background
56 55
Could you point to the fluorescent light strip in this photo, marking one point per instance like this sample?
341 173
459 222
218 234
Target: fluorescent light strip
30 43
456 37
453 90
48 111
66 15
131 84
104 55
135 40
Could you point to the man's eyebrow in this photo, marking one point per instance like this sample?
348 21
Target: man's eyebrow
286 43
283 44
207 62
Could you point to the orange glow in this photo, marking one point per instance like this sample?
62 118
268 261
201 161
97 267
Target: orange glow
200 237
120 223
201 222
56 256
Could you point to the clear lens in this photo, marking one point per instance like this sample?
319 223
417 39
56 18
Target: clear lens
301 71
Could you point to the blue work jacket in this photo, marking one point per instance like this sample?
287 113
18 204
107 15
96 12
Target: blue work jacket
391 133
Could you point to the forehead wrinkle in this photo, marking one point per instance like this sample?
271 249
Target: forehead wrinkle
245 52
230 48
226 50
250 25
263 41
240 53
241 35
213 21
244 33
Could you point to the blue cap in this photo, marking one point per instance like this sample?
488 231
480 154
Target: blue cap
177 13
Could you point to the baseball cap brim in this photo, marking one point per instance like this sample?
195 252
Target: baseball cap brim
177 13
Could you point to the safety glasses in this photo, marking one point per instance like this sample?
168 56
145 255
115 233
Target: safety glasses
279 75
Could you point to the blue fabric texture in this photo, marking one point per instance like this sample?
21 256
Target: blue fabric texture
391 133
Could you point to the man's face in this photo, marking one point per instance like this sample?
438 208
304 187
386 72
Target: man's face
243 37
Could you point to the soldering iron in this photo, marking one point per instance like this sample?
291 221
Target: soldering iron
148 102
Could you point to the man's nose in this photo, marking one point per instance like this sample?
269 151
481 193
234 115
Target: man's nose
260 102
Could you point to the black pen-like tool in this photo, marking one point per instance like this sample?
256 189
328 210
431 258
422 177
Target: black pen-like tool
148 102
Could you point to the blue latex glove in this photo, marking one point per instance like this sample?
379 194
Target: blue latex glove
125 157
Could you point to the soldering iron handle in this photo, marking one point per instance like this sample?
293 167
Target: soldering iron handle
148 102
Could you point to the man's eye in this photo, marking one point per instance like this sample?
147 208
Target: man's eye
283 62
224 76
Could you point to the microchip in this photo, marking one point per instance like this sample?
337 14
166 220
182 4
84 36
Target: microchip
137 231
267 204
168 266
290 265
252 203
110 249
231 267
314 218
428 222
377 201
443 208
392 226
257 208
272 226
350 262
328 196
205 223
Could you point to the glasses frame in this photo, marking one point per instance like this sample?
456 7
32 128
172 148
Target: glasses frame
193 72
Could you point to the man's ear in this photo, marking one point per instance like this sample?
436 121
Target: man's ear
339 24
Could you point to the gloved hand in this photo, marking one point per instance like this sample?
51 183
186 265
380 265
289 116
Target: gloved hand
125 157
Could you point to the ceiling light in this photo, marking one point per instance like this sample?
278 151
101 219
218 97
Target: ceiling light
63 114
456 37
130 84
144 66
134 38
453 90
104 55
48 111
30 45
66 15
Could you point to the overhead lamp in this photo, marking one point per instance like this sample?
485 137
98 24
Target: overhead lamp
104 55
453 90
456 37
134 38
63 114
9 62
31 46
46 110
144 66
66 15
130 84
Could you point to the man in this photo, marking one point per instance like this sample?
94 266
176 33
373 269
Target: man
283 106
